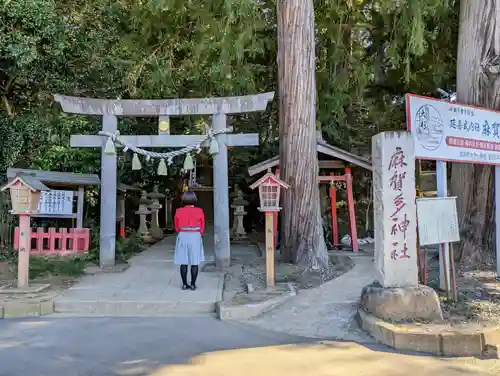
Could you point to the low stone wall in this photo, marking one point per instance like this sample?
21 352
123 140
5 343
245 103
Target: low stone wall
437 339
26 309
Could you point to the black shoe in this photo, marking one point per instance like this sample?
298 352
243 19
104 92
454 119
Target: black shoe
193 286
186 287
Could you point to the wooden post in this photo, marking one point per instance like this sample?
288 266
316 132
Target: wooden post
270 246
352 213
23 263
445 267
79 207
333 204
419 260
425 278
454 292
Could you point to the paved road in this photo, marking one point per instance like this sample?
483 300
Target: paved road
161 346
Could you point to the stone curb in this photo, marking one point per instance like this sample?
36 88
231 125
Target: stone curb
458 343
247 311
26 309
93 270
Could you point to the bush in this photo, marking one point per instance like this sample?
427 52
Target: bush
126 248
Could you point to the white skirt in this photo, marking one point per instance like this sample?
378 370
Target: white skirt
189 249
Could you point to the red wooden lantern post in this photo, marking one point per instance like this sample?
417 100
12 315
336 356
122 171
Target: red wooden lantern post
25 194
269 193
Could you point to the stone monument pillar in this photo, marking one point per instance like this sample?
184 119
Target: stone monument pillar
239 212
396 295
155 206
395 212
143 212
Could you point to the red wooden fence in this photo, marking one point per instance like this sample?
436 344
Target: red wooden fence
53 242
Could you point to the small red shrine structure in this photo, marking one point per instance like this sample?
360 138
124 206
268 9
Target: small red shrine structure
343 160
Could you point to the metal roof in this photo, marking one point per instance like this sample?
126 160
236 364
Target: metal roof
56 177
323 148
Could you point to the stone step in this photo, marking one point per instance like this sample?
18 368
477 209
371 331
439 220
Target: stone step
112 307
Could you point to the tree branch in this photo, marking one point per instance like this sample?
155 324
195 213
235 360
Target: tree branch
7 106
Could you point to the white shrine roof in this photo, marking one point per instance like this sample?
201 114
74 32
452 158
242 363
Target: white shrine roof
322 147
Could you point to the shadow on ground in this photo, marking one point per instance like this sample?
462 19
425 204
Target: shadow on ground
191 346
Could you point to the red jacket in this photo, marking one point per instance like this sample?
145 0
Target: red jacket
189 216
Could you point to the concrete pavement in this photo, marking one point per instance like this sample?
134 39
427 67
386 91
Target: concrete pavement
191 346
151 285
327 311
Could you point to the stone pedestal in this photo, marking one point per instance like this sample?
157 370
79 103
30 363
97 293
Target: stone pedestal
143 211
399 304
155 206
395 218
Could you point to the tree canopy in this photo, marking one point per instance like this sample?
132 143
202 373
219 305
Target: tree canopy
369 53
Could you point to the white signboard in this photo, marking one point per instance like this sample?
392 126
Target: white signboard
56 202
453 132
437 220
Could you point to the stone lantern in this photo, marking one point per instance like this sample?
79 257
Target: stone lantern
155 206
143 211
25 194
238 205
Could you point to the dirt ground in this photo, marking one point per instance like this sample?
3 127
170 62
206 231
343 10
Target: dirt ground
478 296
245 280
8 277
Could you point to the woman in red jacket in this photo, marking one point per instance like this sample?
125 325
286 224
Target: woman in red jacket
190 224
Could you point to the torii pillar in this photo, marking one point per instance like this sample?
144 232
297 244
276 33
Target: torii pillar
219 108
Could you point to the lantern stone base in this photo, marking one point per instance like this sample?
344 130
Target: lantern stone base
156 233
31 289
148 239
414 303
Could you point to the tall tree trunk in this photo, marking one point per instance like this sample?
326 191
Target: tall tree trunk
478 83
301 226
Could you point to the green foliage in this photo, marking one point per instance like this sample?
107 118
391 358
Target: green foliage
128 247
369 53
57 266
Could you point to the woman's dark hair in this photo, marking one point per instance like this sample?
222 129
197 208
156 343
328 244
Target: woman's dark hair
189 198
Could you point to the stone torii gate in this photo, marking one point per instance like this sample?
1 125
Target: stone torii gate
109 109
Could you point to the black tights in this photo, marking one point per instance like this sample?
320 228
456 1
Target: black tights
194 274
